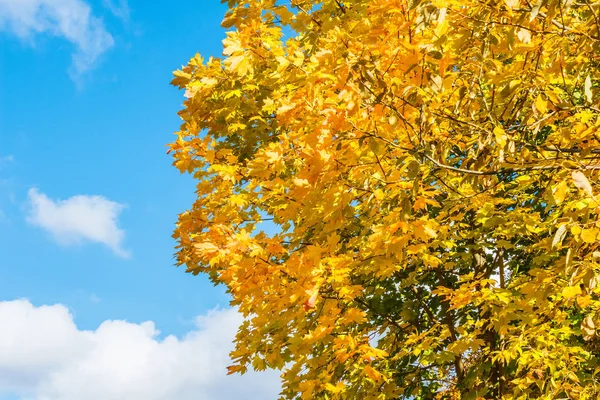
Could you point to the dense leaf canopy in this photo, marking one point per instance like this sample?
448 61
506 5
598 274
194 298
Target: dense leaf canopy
400 195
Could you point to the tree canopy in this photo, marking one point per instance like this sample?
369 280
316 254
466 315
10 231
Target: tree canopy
401 196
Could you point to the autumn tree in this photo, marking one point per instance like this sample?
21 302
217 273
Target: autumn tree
401 196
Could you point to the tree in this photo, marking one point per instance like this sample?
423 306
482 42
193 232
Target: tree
427 169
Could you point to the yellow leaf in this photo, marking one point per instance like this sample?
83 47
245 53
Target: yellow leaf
584 301
588 328
559 235
500 136
587 88
582 182
420 204
354 315
541 105
300 182
310 303
437 82
231 44
593 282
206 248
424 232
589 235
560 191
239 64
273 157
233 369
571 291
373 374
338 388
524 35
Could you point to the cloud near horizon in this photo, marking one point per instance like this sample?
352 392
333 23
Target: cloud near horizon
44 356
79 219
71 20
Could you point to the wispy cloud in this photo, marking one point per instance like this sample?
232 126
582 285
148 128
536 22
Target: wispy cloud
119 8
44 356
6 159
79 219
94 298
71 20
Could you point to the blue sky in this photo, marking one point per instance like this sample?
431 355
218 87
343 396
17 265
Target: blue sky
88 196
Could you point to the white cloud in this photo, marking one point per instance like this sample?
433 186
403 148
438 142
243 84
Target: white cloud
79 219
44 356
120 8
71 20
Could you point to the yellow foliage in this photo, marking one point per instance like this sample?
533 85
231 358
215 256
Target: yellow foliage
399 195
